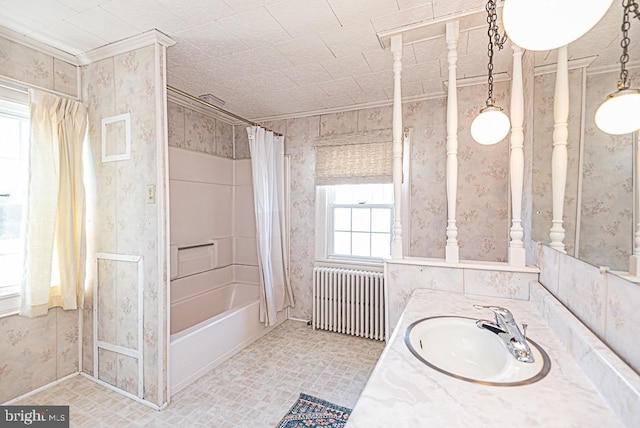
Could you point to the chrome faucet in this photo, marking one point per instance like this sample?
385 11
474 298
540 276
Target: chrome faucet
507 330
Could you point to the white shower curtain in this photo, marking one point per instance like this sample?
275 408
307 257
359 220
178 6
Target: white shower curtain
267 168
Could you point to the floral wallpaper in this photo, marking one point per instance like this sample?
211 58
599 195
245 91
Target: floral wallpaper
482 181
123 221
36 351
606 227
544 89
193 130
37 68
604 234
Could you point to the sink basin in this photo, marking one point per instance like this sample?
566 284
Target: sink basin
456 347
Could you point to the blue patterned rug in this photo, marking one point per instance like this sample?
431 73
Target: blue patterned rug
312 412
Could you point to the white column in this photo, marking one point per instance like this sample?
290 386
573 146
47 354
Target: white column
452 251
396 49
559 155
634 259
516 168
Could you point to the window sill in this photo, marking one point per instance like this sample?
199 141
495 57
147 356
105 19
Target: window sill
9 303
339 262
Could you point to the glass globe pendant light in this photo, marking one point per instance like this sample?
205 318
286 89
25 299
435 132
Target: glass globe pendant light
491 125
620 112
541 25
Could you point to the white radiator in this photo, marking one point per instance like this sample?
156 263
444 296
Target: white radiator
349 301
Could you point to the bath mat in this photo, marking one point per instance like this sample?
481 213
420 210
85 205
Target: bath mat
312 412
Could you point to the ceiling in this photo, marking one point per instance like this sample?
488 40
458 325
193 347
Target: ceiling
278 57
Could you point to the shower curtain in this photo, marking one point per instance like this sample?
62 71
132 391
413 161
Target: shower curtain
267 169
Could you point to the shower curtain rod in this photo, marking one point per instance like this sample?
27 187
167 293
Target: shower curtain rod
220 109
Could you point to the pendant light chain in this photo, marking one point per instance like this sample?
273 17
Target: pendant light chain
627 5
494 40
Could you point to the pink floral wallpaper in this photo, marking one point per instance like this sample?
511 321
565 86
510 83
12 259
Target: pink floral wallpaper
124 223
482 184
36 351
31 66
606 210
193 130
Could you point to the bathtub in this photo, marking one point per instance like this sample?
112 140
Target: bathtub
211 327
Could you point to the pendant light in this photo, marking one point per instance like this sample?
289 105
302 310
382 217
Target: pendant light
541 25
620 112
491 125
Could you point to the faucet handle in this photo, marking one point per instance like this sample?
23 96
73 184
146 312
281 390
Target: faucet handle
524 331
497 310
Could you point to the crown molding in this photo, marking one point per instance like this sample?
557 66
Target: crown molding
126 45
612 67
38 46
214 114
479 80
352 107
573 64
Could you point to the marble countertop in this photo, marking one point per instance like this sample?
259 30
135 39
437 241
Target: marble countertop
404 392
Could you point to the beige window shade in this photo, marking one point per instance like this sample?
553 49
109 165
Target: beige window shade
357 163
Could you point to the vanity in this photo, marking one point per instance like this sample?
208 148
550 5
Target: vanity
404 392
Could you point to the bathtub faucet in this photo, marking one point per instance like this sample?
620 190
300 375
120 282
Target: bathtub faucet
507 330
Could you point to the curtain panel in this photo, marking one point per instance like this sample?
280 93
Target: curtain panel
55 216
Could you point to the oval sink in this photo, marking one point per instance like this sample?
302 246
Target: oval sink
456 347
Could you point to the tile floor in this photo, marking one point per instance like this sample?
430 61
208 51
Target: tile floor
255 388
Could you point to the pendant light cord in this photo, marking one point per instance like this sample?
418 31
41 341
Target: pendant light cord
627 6
494 40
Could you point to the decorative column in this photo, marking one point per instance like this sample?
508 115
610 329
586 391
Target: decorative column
396 50
634 259
516 167
559 155
452 251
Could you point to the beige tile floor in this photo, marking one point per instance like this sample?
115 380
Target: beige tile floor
255 388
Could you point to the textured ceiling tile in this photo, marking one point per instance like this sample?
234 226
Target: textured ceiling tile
447 7
256 61
406 4
349 12
101 23
40 10
338 87
403 17
351 39
375 81
212 39
336 102
307 73
305 93
349 66
68 37
242 5
146 15
183 53
370 96
304 17
197 12
408 90
381 59
423 71
305 50
255 28
432 49
82 5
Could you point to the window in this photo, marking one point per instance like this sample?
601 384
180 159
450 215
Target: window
14 152
359 220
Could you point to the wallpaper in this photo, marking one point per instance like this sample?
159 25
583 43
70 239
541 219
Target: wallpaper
193 130
123 221
30 66
35 352
604 227
482 211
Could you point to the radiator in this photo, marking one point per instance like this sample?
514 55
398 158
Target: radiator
349 301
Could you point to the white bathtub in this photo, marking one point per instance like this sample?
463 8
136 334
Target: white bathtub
209 328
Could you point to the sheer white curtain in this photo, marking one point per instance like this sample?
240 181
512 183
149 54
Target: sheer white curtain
267 168
55 206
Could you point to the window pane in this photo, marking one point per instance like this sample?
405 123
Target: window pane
342 219
361 219
361 244
380 244
9 143
380 220
342 243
